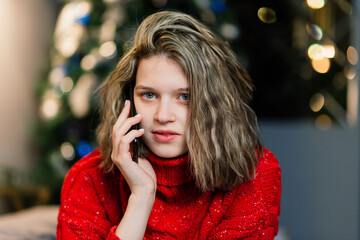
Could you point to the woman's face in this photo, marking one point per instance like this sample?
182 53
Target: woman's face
161 96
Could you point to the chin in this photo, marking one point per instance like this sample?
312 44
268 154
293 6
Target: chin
168 152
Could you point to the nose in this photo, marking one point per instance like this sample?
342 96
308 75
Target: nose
164 112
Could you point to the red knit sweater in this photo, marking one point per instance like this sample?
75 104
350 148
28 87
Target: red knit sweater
93 203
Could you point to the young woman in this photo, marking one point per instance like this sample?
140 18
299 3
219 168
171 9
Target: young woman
202 172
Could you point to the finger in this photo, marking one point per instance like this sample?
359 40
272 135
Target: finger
123 115
124 145
121 152
122 130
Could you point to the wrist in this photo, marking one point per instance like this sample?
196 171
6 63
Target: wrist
142 200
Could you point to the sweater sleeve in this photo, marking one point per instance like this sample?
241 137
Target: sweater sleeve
255 209
81 215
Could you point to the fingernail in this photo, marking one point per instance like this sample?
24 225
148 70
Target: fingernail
141 129
126 102
137 115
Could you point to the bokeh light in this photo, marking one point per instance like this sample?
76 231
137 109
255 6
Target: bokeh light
88 62
317 102
350 73
49 106
229 31
108 49
315 31
68 42
217 6
66 84
352 55
267 15
323 122
321 65
316 51
329 51
316 4
56 74
83 148
67 151
107 31
70 26
79 99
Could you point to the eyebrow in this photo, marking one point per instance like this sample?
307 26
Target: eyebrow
142 87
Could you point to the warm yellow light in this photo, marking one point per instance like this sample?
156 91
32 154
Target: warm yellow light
67 151
66 84
316 4
107 31
321 65
317 102
88 62
350 73
79 99
49 107
107 49
83 8
329 51
323 122
352 55
316 51
267 15
56 75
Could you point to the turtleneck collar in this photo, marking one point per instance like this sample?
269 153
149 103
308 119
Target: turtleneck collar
170 171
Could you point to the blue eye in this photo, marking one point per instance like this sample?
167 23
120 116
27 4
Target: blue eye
184 97
149 95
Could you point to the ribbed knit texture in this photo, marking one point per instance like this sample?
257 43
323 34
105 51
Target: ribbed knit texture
93 203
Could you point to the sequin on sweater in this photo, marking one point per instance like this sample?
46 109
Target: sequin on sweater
93 203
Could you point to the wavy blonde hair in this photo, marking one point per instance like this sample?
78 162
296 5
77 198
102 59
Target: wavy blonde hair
223 143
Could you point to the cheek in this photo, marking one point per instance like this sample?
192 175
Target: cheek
146 121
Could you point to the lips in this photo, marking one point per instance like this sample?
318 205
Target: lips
165 135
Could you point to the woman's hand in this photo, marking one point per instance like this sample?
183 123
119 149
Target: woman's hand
140 177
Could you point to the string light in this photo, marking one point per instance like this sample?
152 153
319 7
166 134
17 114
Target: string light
321 65
315 31
229 31
67 151
66 84
88 62
329 51
108 49
316 51
323 122
267 15
352 55
317 102
50 105
316 4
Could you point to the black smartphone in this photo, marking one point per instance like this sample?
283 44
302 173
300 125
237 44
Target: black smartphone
135 143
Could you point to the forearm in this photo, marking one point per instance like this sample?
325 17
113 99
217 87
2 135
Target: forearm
134 221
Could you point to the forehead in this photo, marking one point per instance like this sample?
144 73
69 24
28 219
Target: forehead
159 71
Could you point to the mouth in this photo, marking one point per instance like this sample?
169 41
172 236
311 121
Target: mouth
165 135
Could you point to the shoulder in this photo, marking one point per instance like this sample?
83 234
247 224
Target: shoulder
84 171
268 175
255 204
267 161
90 161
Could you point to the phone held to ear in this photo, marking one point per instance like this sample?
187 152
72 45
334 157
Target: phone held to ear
135 143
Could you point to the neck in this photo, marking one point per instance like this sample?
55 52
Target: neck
171 171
